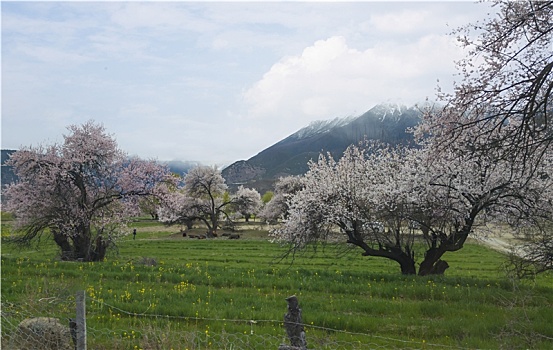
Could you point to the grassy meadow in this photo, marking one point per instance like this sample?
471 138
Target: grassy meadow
153 291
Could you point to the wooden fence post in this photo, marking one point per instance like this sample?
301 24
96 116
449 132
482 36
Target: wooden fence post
294 326
81 320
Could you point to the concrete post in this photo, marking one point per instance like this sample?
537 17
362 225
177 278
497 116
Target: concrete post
81 320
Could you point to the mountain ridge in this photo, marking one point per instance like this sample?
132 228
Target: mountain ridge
290 156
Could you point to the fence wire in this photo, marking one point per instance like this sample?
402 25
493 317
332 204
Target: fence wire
44 324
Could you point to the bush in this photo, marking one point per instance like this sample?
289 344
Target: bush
43 333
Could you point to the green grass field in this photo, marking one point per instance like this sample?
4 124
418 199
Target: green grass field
154 290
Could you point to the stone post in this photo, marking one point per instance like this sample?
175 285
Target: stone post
294 326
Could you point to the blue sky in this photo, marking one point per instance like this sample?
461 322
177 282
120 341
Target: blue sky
216 82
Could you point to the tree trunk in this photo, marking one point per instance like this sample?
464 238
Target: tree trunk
212 231
407 266
432 264
189 224
98 252
406 260
66 249
437 268
82 246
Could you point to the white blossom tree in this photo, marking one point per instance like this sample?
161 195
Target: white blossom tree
502 104
277 208
476 187
203 197
383 200
248 202
355 196
81 192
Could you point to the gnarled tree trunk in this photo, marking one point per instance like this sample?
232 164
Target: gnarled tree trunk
406 260
80 246
432 264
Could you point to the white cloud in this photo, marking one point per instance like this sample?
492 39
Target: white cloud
330 79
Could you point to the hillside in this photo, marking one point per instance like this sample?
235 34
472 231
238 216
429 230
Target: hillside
387 123
181 167
7 172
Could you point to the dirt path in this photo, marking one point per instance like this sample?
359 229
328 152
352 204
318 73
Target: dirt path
506 244
499 244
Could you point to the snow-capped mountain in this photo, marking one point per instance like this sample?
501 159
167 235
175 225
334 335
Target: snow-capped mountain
386 122
389 110
322 126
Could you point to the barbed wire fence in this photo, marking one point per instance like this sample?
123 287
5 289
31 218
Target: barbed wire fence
60 324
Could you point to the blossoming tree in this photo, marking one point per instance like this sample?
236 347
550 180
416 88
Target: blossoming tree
386 200
277 208
506 81
249 202
354 197
81 192
507 75
204 197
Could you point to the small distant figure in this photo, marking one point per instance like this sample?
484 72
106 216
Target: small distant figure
134 234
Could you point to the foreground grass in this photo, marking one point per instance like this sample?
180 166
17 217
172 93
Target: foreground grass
162 283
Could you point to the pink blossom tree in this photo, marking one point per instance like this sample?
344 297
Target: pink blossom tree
81 192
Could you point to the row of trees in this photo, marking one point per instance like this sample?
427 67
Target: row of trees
410 206
84 192
381 199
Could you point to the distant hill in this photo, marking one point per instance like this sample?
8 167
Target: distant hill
385 122
177 167
181 167
7 171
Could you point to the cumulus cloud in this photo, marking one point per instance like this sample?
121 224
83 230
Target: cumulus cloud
331 79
